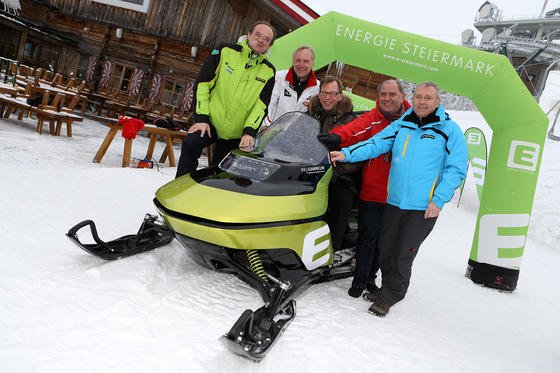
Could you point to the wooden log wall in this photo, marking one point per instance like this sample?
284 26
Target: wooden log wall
205 23
159 41
363 82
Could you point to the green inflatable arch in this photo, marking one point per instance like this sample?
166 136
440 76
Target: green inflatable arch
518 123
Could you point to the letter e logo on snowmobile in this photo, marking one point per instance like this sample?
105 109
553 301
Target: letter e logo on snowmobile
500 249
312 248
523 155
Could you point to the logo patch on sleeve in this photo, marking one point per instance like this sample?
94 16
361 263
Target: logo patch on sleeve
287 94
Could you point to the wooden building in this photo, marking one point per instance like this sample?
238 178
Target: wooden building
148 49
141 48
356 80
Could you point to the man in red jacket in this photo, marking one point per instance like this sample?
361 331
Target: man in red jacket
390 105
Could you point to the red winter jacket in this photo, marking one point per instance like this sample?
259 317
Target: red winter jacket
375 173
130 126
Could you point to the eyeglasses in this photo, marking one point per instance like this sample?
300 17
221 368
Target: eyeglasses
330 94
266 39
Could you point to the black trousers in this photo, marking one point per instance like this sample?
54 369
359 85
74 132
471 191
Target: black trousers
369 223
342 193
402 232
192 147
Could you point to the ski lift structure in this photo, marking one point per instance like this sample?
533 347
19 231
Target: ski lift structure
10 6
531 43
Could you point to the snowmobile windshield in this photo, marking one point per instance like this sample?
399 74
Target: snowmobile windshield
290 140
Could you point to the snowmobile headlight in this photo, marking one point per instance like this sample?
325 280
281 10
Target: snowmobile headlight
247 167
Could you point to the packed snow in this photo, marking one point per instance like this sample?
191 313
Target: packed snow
64 310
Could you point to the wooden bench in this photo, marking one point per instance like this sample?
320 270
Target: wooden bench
56 112
153 131
8 89
10 105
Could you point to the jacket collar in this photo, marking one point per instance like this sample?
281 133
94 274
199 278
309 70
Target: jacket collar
435 118
291 75
405 106
342 108
248 52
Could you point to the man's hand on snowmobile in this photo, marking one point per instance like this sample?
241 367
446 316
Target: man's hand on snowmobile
331 141
246 143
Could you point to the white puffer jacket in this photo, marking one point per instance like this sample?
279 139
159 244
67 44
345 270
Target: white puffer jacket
284 97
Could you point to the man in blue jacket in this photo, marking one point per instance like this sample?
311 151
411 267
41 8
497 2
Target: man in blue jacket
429 161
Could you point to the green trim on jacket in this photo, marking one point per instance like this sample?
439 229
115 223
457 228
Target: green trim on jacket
233 90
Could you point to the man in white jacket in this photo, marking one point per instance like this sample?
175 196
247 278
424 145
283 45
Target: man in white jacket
294 87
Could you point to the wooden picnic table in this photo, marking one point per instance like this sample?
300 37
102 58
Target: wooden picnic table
115 126
136 111
107 103
42 87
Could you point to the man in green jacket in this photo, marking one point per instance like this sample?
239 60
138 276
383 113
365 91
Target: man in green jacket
231 96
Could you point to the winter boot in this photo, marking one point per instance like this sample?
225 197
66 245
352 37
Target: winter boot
355 292
379 308
372 294
371 287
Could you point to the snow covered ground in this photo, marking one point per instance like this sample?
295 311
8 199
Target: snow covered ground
63 310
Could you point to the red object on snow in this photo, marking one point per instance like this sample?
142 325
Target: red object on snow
130 126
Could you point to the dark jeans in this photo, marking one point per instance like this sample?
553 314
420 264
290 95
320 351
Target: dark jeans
369 222
192 148
402 232
342 193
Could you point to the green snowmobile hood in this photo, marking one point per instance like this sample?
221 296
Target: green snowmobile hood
185 196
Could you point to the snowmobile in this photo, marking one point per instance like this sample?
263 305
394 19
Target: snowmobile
259 215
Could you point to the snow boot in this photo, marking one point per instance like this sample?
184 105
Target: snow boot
371 287
379 308
371 294
355 292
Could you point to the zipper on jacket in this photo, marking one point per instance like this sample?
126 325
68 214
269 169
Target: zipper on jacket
405 145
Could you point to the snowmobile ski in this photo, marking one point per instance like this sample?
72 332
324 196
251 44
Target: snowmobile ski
254 333
151 235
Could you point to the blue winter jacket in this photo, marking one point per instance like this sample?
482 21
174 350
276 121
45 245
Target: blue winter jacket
428 162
